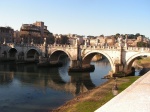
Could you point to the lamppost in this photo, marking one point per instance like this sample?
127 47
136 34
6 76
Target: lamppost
115 88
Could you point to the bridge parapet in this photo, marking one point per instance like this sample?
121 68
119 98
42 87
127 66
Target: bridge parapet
23 45
99 47
61 46
146 49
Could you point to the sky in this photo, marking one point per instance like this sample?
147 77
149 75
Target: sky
82 17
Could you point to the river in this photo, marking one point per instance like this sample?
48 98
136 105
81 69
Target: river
27 88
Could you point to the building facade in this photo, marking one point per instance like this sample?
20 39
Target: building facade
6 34
36 33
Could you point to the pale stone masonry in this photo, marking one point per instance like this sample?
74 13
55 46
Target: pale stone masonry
136 98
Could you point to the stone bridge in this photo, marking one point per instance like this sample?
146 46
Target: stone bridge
120 58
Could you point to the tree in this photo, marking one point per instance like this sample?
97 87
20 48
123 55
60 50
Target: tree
64 39
102 35
141 44
117 35
137 34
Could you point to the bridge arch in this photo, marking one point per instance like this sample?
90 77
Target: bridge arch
86 60
32 54
130 61
12 53
55 55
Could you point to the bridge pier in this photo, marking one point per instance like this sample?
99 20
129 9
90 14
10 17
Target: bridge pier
123 70
76 66
118 71
119 68
129 71
74 63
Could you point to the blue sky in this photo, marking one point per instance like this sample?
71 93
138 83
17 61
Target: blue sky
83 17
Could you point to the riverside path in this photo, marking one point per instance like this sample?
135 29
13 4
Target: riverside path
136 98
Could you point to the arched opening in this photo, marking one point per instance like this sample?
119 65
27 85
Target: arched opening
12 54
63 58
103 66
59 56
133 62
33 55
88 58
133 66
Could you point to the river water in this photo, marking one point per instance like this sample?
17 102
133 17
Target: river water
27 88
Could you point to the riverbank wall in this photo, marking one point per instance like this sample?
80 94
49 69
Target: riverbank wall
133 99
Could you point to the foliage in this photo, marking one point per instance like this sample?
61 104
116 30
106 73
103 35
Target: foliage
131 36
64 39
102 35
141 44
137 34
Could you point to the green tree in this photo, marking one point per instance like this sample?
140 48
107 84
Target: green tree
102 35
64 39
141 44
137 34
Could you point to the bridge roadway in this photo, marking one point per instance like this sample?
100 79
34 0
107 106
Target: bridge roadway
136 98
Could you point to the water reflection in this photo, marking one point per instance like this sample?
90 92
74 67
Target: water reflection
6 78
42 89
78 82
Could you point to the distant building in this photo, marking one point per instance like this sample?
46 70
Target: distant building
6 33
80 39
106 40
92 40
69 39
16 38
102 40
61 39
72 39
110 40
36 32
139 41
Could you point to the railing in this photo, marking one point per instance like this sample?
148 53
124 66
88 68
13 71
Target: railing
99 47
137 49
94 47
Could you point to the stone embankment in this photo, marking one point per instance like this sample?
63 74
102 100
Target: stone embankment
134 99
96 96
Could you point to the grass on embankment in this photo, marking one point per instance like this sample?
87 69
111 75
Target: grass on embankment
101 96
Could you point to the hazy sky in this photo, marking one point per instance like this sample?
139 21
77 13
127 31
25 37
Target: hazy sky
83 17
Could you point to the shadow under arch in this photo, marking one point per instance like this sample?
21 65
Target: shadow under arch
12 53
55 55
32 53
130 61
88 57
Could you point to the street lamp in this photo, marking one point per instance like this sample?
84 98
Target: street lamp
115 88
